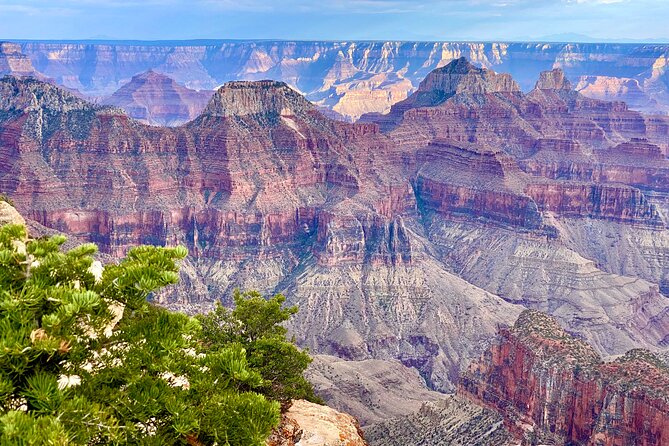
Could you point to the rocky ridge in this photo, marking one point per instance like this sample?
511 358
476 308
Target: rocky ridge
453 421
552 387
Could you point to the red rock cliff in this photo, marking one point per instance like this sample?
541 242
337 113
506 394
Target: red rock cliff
552 387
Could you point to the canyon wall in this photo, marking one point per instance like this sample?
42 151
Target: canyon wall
554 388
409 237
354 78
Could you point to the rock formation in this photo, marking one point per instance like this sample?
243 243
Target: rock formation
9 215
156 99
411 245
630 91
453 421
353 78
554 388
14 62
309 424
371 390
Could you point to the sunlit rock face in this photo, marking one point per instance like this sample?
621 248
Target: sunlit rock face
410 241
355 78
553 388
306 423
13 61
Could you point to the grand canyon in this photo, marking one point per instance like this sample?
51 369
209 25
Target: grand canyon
477 235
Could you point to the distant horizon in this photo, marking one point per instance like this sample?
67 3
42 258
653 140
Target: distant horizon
558 21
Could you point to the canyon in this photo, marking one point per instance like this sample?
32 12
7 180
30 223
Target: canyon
407 239
354 78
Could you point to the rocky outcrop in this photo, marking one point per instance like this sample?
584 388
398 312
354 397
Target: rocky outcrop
9 215
552 387
553 80
156 99
14 62
453 420
239 99
459 79
351 77
309 424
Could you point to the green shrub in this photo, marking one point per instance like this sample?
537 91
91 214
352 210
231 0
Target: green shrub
256 324
84 359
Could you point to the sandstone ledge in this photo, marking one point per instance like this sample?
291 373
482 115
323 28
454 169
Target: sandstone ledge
309 424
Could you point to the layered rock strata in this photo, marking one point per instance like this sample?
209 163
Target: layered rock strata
354 77
156 99
552 387
410 245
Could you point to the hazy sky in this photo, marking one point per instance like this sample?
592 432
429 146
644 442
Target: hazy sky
334 19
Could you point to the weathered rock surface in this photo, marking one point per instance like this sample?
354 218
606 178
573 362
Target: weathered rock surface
630 91
9 215
371 390
14 62
156 99
309 424
451 421
554 388
351 77
412 245
266 193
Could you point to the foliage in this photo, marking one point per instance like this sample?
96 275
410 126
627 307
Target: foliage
84 359
255 323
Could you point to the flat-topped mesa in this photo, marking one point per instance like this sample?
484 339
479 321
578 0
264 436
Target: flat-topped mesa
553 80
257 98
554 388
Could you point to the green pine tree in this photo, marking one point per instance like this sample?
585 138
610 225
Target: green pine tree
85 359
256 324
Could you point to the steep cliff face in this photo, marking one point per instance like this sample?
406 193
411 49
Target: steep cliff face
266 193
552 387
351 77
479 121
156 99
13 61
